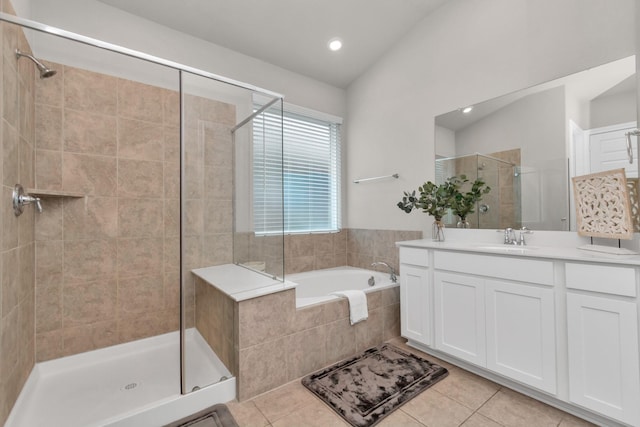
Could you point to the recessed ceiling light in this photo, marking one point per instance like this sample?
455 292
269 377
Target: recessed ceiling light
467 110
335 44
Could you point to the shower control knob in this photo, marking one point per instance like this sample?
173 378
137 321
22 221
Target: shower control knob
20 199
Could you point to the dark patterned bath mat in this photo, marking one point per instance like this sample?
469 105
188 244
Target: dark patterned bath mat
366 388
215 416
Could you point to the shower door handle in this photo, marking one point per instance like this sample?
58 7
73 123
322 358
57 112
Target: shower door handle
628 136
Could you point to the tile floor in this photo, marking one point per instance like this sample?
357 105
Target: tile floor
462 399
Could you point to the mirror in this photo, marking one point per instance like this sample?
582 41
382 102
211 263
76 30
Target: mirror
526 145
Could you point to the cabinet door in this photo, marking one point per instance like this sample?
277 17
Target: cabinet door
459 316
603 356
521 333
414 304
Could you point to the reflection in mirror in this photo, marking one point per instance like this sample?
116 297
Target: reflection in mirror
526 145
499 208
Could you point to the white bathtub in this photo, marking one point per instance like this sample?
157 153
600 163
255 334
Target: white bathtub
315 287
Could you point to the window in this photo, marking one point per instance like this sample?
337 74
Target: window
309 153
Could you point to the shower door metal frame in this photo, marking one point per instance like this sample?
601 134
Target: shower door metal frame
43 28
58 32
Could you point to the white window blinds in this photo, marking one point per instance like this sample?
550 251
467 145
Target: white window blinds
309 157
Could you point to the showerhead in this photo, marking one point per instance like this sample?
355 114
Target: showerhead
45 71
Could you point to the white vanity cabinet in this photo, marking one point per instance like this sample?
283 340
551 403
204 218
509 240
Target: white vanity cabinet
521 339
562 327
602 328
460 316
415 293
492 317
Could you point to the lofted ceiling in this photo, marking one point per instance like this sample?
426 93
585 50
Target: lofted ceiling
293 34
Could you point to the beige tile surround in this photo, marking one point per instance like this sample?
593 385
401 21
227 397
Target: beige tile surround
215 318
267 342
17 284
107 265
101 275
352 246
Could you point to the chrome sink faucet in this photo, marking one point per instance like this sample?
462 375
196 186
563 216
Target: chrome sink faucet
510 236
523 231
392 272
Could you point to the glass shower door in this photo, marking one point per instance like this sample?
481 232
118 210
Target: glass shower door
216 221
258 240
208 110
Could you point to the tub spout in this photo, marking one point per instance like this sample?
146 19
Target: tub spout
392 272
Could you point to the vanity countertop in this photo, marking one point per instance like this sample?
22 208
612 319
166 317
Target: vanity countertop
529 251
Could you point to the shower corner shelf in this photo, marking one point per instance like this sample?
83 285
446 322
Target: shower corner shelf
53 193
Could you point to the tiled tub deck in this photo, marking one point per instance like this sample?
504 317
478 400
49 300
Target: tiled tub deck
265 341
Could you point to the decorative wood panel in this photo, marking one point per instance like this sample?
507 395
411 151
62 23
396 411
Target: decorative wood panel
634 199
602 204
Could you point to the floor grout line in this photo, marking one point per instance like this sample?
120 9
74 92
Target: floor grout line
480 407
411 416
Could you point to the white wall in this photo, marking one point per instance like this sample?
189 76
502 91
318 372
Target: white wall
613 110
465 52
445 142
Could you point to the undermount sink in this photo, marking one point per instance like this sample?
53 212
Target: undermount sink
506 248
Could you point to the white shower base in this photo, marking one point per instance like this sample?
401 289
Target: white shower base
132 384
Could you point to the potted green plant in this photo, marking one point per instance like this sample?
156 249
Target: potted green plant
464 203
434 200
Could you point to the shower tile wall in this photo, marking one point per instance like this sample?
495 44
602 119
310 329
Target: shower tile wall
510 204
101 274
17 296
107 264
209 188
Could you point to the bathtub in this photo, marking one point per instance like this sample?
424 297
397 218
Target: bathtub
314 287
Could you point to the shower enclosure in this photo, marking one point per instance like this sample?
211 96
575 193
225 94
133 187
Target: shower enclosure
141 180
501 207
257 139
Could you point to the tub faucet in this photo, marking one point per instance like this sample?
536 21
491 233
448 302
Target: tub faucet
392 272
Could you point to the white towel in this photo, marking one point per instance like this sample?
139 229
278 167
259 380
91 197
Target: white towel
358 310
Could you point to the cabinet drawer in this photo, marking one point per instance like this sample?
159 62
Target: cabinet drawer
511 268
414 256
602 278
